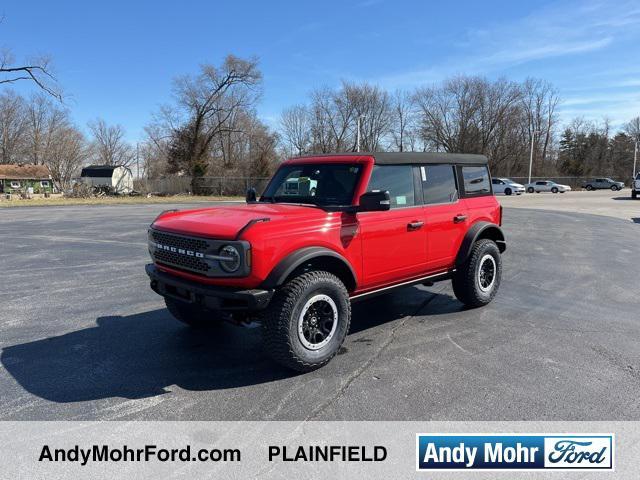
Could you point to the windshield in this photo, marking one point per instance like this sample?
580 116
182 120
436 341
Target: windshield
317 184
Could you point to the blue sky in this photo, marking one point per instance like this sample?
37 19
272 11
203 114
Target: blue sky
116 59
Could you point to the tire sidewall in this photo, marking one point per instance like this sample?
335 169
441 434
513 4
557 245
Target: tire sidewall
507 191
492 249
342 304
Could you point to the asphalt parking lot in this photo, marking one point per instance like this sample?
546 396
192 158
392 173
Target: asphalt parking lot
83 337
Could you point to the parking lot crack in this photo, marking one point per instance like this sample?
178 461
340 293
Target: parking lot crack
365 366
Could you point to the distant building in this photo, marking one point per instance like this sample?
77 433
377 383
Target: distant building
119 178
20 178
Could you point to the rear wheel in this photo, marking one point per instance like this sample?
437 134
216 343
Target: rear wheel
307 321
634 194
191 314
477 281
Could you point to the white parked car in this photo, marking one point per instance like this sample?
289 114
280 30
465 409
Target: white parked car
547 186
506 186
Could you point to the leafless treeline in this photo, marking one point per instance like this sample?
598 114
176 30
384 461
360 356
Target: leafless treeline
38 130
463 114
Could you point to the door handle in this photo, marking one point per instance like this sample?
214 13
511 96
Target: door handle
459 218
415 225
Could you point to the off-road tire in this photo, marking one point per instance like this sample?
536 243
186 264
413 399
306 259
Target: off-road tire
191 314
280 321
466 286
530 190
507 191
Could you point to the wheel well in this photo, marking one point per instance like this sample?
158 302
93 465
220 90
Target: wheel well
328 264
494 234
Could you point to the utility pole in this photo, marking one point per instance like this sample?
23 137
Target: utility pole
360 117
635 158
138 159
533 139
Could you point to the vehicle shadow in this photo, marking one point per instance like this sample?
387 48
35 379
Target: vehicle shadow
139 356
624 198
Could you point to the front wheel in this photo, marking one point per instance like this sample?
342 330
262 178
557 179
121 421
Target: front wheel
634 194
507 191
554 190
307 321
614 188
530 190
589 188
190 314
476 282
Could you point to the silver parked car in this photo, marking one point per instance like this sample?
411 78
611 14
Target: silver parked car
602 183
547 186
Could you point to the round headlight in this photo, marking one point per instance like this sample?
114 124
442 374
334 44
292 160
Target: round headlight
232 263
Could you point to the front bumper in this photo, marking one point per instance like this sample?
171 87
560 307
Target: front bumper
208 296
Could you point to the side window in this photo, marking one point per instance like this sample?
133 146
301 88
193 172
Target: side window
476 180
398 180
541 183
495 181
438 184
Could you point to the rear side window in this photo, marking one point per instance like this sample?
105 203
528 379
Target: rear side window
398 180
476 180
438 184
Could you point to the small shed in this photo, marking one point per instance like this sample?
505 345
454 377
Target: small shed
117 177
20 178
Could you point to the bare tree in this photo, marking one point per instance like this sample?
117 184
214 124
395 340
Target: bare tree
36 70
109 146
13 127
66 154
632 128
295 126
373 106
43 121
205 105
403 121
540 101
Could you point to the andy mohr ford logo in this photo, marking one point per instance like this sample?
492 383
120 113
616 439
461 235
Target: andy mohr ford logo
514 452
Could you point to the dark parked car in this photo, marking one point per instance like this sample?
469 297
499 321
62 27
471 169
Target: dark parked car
602 183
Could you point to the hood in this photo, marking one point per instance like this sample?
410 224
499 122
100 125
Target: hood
514 184
227 221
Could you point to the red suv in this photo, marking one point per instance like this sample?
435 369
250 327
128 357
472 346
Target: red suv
329 230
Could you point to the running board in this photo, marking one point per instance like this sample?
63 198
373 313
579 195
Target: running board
428 279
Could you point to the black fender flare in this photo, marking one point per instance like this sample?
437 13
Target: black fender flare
477 231
288 265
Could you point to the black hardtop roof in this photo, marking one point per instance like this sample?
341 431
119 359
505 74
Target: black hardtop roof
402 158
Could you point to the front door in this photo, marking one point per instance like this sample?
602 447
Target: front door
393 242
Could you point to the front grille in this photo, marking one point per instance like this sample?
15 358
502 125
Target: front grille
187 243
178 259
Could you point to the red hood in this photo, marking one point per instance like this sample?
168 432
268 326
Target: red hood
225 222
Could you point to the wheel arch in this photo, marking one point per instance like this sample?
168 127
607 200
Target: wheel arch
312 258
477 232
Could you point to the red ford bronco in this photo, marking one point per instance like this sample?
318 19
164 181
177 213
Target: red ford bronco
329 230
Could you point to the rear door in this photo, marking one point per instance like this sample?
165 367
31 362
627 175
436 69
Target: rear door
445 214
393 242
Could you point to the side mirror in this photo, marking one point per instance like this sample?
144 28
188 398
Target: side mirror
251 195
375 202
